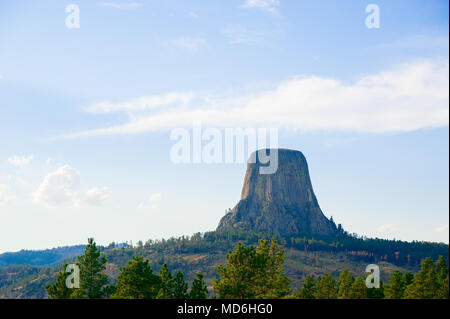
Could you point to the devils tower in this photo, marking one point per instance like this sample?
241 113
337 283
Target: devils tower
280 203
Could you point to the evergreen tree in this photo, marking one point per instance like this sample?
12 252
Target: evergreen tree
180 290
443 292
408 278
137 281
345 282
325 288
167 290
443 278
253 273
376 293
308 289
92 279
425 284
273 282
59 289
359 289
198 289
396 286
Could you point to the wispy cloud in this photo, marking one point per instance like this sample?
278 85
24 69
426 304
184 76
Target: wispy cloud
192 44
388 228
121 5
142 104
442 229
151 202
19 161
265 5
406 98
238 34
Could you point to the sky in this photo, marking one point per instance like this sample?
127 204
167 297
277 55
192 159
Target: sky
92 91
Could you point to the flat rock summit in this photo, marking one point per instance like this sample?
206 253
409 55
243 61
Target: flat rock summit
281 203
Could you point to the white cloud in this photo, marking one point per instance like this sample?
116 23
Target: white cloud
238 34
97 195
442 229
59 188
388 228
151 202
142 104
62 188
408 97
121 5
266 5
191 44
20 160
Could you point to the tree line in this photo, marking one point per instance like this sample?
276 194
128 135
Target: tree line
250 273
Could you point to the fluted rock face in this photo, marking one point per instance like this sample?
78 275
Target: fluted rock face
283 202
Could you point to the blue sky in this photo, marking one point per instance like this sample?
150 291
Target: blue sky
86 113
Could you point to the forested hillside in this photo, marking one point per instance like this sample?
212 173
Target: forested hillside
204 252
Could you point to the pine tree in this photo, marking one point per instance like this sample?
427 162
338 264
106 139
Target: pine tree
408 278
92 279
273 284
345 282
359 289
253 273
443 279
59 289
376 293
180 287
325 288
396 286
167 290
308 289
137 281
198 289
425 284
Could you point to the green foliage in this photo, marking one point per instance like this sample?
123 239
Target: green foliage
191 255
93 280
425 284
59 289
443 278
198 289
396 286
326 287
308 289
180 290
359 289
167 290
408 278
376 293
345 282
137 281
253 273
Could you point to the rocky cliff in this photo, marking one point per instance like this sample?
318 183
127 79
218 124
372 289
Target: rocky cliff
283 202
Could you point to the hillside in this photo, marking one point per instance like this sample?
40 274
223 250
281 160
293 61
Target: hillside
47 257
203 252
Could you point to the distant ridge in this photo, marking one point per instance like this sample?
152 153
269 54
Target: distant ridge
47 257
